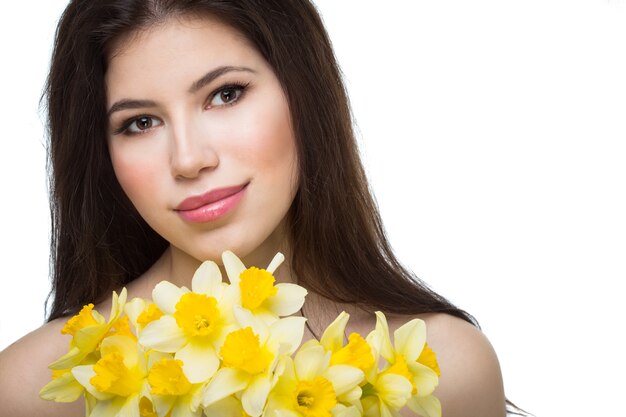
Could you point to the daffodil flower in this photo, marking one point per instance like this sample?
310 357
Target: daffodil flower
254 289
117 380
249 356
141 313
63 388
405 378
310 387
87 329
172 393
194 323
356 352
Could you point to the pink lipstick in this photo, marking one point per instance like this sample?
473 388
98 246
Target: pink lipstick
212 205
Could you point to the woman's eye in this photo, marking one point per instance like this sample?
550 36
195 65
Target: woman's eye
227 95
141 124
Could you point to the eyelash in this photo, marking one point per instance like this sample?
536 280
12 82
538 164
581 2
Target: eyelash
243 87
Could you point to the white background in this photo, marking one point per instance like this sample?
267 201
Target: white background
494 134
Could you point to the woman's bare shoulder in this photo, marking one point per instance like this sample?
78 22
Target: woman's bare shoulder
24 371
470 384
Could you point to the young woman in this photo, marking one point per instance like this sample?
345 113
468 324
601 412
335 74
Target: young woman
180 129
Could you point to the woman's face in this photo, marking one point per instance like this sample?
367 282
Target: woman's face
201 138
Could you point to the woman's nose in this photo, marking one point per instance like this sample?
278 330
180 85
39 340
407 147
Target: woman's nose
192 151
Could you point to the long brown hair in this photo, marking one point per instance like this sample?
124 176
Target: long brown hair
100 242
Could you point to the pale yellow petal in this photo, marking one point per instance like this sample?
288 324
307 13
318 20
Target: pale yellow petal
352 397
163 404
163 335
385 410
409 339
117 304
332 338
233 266
207 280
245 318
285 413
288 299
275 263
394 390
83 375
311 362
254 397
64 389
166 295
183 409
424 378
428 406
227 407
107 408
134 308
226 382
199 361
341 410
288 333
68 360
123 345
384 342
130 408
344 378
88 338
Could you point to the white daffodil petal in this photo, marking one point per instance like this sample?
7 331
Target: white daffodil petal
182 408
276 261
385 410
311 362
130 407
166 295
207 279
163 335
285 413
226 382
255 396
341 410
64 389
288 299
83 375
424 378
344 378
332 338
394 390
107 408
134 308
87 338
409 339
287 331
163 404
428 406
123 345
233 266
228 407
69 360
199 362
117 304
352 397
245 318
382 331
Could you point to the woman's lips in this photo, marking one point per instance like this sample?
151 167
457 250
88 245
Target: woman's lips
212 205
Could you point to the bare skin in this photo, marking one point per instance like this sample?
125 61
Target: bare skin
470 384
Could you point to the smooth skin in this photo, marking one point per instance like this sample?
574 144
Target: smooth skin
181 136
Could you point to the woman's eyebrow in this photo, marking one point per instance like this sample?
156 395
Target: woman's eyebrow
215 73
126 104
207 78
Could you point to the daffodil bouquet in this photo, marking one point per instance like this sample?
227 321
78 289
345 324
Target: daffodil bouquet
234 349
